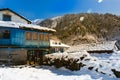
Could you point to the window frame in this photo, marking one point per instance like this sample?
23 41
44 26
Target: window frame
34 35
6 17
41 37
30 35
46 37
4 34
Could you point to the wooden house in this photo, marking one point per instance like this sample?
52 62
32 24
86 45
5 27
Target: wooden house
22 42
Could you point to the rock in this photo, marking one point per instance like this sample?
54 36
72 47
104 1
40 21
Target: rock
87 59
58 63
81 58
96 69
116 73
74 66
90 68
82 65
69 63
102 72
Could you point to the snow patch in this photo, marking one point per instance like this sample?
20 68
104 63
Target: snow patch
81 19
58 17
37 21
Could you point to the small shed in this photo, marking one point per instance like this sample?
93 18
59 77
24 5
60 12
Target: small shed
103 47
57 46
99 47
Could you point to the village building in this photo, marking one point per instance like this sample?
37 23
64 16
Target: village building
57 46
104 47
20 41
7 14
99 47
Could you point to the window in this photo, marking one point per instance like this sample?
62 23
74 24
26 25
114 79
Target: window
59 43
6 17
41 37
46 37
28 36
56 43
4 34
35 36
53 43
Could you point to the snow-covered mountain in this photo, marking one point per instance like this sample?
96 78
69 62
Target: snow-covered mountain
52 22
55 18
84 27
37 21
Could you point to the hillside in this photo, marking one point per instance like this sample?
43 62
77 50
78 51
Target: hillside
74 29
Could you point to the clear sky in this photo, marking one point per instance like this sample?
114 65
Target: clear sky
42 9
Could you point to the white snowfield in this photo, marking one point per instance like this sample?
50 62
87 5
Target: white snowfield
50 73
109 45
104 63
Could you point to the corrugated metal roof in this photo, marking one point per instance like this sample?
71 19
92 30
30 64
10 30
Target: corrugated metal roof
23 25
107 45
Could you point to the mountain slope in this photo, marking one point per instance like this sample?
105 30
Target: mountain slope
81 28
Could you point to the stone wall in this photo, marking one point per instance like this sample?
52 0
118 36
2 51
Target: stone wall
13 56
63 61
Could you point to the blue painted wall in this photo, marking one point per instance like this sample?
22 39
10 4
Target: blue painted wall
17 38
5 42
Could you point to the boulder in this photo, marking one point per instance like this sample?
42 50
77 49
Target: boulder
116 73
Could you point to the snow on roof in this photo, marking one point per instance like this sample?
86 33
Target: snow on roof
109 45
23 25
58 44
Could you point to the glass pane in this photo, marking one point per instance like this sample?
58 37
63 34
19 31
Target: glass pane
41 37
35 36
6 18
46 37
28 36
4 34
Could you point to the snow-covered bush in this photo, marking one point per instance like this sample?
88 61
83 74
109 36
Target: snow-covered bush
78 60
72 61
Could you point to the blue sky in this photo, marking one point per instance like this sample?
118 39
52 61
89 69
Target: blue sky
42 9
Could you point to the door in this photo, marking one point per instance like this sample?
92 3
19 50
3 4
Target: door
35 57
40 57
31 57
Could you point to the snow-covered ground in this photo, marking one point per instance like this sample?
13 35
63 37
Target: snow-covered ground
101 63
102 68
50 73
